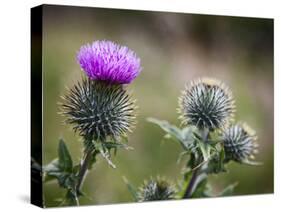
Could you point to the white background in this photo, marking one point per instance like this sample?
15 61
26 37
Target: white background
15 102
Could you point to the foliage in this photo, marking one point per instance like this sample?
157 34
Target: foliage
64 172
69 176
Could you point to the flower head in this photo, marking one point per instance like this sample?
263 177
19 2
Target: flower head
108 61
99 110
239 143
156 189
206 103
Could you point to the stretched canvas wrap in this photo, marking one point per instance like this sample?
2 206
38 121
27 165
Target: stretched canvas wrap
137 106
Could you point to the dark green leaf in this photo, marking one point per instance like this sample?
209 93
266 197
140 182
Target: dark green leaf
168 128
184 136
65 161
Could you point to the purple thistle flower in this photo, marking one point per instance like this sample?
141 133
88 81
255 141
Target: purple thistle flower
108 61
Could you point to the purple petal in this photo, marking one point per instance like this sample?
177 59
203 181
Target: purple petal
108 61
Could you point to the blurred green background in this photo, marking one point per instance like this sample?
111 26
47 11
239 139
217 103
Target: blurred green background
174 49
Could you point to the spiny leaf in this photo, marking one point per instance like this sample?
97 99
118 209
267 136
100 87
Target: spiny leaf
252 163
103 150
167 127
53 166
65 161
205 150
131 189
117 144
228 190
184 136
51 170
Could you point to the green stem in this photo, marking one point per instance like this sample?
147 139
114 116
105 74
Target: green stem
84 169
192 183
77 201
190 187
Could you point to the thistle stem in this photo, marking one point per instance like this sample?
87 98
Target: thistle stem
192 183
77 201
190 187
84 169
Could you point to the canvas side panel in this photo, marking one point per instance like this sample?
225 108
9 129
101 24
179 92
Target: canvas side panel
36 106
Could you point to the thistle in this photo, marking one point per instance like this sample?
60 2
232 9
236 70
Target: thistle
239 143
99 109
206 109
206 103
156 189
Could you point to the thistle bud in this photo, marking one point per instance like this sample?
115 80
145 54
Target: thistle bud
206 103
156 189
97 109
239 143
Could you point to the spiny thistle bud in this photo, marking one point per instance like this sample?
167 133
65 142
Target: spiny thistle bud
239 143
156 189
99 110
206 103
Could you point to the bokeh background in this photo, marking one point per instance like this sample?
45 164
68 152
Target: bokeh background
174 49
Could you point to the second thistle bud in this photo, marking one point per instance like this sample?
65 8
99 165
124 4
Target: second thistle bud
239 143
206 103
